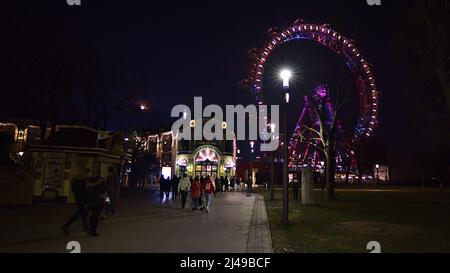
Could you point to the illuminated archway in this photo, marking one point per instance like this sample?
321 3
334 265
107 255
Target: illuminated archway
207 161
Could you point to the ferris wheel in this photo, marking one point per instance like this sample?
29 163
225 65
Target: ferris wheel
323 35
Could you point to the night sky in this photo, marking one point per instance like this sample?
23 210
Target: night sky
180 49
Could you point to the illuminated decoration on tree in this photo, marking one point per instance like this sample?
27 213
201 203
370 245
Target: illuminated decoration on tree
207 155
324 35
303 153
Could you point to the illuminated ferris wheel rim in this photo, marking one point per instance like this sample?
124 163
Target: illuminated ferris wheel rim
323 34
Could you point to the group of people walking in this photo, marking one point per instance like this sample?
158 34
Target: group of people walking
94 195
225 184
169 186
201 189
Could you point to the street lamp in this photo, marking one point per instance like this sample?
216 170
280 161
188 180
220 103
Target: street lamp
252 145
250 183
285 76
377 167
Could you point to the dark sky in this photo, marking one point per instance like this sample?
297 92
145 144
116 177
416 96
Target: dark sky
181 49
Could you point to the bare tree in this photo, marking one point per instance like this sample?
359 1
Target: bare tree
432 20
102 99
325 137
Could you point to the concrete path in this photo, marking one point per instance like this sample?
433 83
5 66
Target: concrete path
144 224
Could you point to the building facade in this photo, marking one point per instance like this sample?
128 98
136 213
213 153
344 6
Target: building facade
193 157
45 164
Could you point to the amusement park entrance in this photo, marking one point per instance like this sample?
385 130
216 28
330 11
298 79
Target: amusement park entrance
207 163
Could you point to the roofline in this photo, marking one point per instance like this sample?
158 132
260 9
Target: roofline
85 150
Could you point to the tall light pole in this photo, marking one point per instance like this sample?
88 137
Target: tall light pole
285 76
252 146
377 167
250 183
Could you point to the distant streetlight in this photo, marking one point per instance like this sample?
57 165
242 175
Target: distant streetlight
377 167
20 154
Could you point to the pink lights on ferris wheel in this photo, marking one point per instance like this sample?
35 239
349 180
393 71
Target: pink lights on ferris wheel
324 35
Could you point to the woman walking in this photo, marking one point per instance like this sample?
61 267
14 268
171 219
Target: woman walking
210 191
195 191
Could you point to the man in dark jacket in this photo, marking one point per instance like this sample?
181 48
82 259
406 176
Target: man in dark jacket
175 183
162 184
80 194
113 187
168 187
96 189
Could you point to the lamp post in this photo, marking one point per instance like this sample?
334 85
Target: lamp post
285 76
250 182
377 167
252 146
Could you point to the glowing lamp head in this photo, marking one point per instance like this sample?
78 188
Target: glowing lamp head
273 127
286 76
377 166
252 144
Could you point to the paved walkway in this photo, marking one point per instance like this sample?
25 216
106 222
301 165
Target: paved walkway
236 224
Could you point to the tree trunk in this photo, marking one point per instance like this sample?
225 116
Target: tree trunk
329 174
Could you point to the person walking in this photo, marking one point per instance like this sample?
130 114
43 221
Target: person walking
162 184
227 184
249 186
195 191
168 187
96 189
79 191
175 183
113 188
218 186
232 183
201 200
209 193
183 188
